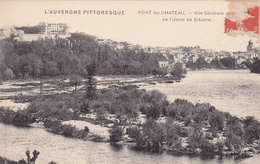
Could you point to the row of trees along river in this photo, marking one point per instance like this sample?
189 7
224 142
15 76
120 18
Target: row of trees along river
55 57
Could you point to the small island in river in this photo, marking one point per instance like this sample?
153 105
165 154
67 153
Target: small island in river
121 113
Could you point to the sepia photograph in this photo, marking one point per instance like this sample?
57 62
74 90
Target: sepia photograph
129 82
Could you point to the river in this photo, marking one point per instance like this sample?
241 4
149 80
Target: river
15 141
234 91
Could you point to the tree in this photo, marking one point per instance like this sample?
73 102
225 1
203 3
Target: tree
248 63
252 129
216 120
178 70
215 63
201 63
90 85
116 133
256 66
154 133
228 62
157 104
75 80
8 74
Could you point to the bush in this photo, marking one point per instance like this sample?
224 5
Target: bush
56 106
252 129
219 146
234 142
75 80
180 109
216 120
157 104
194 139
19 118
178 70
155 134
66 130
137 134
22 118
255 67
206 146
8 74
133 132
56 127
116 133
171 133
85 106
7 115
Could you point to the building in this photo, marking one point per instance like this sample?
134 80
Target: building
163 64
10 31
54 29
46 30
250 46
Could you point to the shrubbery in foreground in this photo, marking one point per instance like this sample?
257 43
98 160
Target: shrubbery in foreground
190 128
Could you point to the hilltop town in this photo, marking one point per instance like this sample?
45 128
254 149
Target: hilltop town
191 58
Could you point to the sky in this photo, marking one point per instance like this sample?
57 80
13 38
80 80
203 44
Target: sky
134 27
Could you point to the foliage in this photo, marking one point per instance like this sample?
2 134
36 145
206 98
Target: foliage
178 70
8 74
255 67
116 133
216 120
228 62
216 64
252 129
55 57
6 161
90 85
248 63
75 80
179 109
184 119
156 104
60 106
201 63
55 126
197 140
171 132
19 118
6 115
154 133
29 30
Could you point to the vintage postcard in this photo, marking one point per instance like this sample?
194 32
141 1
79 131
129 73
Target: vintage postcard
129 82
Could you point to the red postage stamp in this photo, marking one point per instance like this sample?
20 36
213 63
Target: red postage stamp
249 24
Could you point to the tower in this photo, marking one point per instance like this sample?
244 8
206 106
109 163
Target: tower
250 46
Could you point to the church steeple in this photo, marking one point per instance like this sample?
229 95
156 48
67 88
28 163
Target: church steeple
250 46
250 42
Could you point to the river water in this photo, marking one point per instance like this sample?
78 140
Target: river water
233 91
